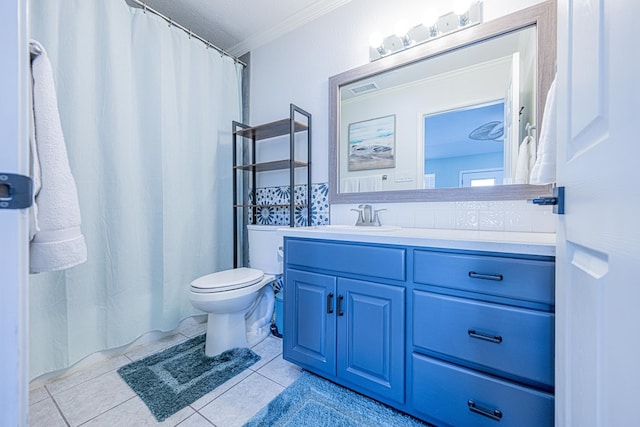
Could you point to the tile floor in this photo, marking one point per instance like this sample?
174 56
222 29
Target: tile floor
96 395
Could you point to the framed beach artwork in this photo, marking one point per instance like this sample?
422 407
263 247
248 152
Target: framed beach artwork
372 144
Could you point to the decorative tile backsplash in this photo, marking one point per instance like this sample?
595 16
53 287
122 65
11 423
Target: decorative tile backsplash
512 215
279 215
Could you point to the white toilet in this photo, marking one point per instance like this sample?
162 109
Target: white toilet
240 301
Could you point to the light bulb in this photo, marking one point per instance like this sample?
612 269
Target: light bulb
401 28
375 40
430 18
460 7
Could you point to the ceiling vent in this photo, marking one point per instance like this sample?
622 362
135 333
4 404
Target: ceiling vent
367 87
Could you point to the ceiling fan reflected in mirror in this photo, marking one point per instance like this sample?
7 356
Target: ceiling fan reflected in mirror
490 131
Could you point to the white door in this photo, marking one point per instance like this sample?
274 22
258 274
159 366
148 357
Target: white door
13 223
598 254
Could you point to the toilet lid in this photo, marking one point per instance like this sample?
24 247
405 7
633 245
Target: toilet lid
228 279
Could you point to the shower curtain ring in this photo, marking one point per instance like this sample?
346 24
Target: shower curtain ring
144 7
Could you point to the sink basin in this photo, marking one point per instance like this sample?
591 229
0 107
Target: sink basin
354 228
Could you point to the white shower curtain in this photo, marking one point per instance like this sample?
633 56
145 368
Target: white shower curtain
146 112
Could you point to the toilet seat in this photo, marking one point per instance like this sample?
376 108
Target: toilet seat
227 280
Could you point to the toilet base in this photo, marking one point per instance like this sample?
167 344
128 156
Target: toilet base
224 332
236 318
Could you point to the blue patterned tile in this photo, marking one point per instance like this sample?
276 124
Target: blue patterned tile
279 283
321 218
300 195
280 195
320 197
265 215
281 216
302 216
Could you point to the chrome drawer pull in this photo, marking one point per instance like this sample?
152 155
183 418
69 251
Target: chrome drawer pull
491 338
496 277
494 414
330 303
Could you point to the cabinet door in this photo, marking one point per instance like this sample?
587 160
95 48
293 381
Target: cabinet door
371 336
310 320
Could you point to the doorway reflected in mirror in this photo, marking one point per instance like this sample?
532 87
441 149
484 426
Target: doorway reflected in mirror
464 147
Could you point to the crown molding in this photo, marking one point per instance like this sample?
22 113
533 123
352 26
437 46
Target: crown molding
296 20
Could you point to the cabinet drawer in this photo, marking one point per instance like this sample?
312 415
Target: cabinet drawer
462 397
504 340
376 261
530 280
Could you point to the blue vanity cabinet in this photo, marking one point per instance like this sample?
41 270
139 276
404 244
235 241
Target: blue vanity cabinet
453 337
370 337
482 339
310 320
349 329
448 394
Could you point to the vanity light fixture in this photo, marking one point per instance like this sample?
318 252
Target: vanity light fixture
430 21
375 42
465 14
461 8
401 28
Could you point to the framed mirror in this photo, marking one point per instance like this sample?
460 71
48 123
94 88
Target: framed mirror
443 121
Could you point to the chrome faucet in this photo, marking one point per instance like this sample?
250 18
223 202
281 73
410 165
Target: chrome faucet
366 218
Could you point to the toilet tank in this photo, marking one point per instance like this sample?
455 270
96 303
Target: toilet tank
265 248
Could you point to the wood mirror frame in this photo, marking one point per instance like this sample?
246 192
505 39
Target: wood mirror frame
543 16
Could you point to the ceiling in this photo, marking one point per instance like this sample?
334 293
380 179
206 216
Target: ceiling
238 26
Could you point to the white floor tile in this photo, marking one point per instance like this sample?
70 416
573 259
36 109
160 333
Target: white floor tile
134 413
195 420
222 388
143 351
85 374
268 350
45 414
281 371
242 402
90 399
96 395
37 394
194 329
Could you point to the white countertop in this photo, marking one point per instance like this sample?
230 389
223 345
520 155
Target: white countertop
492 241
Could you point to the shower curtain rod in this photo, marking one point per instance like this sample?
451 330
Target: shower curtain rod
171 22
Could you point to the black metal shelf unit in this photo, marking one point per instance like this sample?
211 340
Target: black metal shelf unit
245 169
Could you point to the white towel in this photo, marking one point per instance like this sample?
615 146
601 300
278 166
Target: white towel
526 160
57 242
350 185
371 183
544 170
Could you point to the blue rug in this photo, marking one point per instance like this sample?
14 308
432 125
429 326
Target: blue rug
313 401
178 376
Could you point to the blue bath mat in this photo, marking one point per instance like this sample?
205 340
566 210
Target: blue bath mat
178 376
313 401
